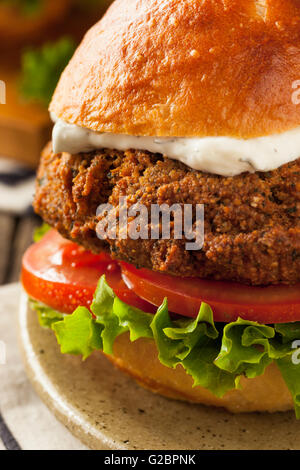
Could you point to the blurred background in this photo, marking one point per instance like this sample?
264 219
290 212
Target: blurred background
37 39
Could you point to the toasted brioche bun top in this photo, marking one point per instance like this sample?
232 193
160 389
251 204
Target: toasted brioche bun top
186 68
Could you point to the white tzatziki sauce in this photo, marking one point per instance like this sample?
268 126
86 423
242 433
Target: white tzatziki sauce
225 156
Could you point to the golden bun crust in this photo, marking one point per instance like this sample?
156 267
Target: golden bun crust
186 68
15 27
139 359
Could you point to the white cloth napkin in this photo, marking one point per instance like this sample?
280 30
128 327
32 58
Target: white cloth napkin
25 422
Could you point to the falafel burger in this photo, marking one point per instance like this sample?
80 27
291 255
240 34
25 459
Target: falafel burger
191 106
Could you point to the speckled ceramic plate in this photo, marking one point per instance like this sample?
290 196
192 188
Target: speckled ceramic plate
107 410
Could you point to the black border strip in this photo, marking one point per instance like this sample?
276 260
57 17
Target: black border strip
10 443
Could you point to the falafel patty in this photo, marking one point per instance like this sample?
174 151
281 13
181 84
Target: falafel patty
252 224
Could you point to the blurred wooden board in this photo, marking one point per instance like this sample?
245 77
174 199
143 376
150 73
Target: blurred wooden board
7 224
16 236
21 240
24 127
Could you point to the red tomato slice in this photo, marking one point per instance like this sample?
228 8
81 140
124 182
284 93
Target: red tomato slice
274 304
64 276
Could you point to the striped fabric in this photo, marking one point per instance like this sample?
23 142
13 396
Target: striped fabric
16 187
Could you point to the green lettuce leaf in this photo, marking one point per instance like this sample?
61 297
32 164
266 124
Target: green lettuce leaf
289 364
40 232
215 355
42 67
78 334
291 375
200 364
128 320
47 316
245 348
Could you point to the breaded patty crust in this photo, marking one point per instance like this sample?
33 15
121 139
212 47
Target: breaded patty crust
252 224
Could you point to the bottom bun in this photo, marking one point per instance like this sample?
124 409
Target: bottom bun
139 359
